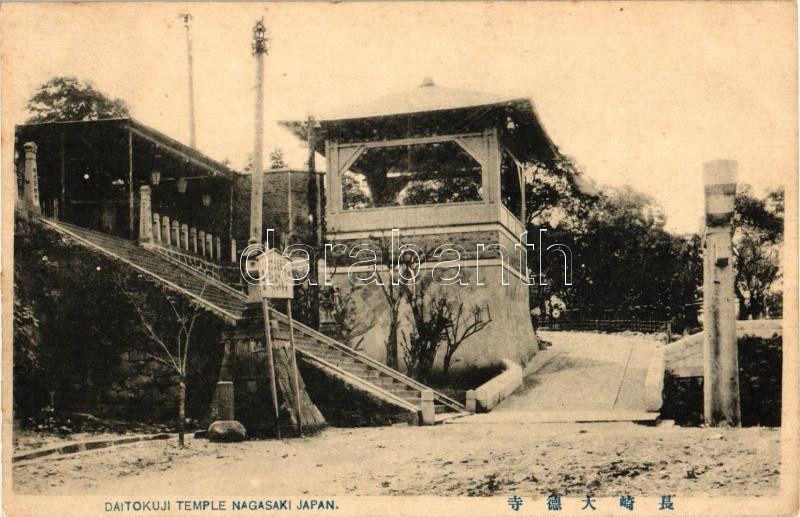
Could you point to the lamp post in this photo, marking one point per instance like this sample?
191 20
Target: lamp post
259 49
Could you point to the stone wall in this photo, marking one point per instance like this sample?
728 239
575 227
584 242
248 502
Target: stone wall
510 334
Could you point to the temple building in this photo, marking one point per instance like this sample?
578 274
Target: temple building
442 166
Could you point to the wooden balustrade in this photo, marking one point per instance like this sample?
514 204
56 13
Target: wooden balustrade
159 230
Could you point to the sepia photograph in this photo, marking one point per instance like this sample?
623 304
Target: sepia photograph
414 258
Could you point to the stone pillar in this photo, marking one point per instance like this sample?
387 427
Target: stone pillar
472 403
223 401
185 236
210 246
233 251
145 216
721 404
428 411
165 231
218 242
202 237
193 233
176 234
31 192
156 227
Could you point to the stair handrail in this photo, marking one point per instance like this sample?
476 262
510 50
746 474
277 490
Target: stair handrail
372 362
358 380
167 253
161 247
66 228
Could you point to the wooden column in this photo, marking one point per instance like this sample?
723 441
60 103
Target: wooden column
233 251
202 237
63 196
218 242
130 184
721 403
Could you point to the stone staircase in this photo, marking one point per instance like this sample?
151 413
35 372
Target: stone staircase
315 348
356 368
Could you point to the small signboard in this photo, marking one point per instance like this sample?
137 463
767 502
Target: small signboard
272 282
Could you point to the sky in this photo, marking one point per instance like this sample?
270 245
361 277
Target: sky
638 94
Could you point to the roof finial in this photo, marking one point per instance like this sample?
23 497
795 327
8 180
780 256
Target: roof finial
427 82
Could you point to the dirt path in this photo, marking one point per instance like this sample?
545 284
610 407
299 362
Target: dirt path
585 371
570 459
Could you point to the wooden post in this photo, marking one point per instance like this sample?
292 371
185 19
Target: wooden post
271 366
218 242
259 47
187 18
295 372
156 227
202 237
224 400
130 183
145 216
314 208
63 167
721 403
233 251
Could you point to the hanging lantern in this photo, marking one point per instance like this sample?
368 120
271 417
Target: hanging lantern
181 185
155 178
206 199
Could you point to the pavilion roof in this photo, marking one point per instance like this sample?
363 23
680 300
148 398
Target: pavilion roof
446 104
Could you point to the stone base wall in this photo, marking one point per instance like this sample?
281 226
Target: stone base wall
510 334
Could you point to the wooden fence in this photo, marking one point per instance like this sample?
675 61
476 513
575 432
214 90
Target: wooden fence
613 325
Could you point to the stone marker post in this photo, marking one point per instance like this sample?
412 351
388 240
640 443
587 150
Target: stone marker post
224 401
31 191
720 353
145 216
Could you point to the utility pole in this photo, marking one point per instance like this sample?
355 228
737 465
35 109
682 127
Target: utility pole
187 19
314 208
259 49
721 405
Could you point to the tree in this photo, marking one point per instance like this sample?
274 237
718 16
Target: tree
169 331
429 321
276 159
624 261
66 98
757 241
349 325
459 327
